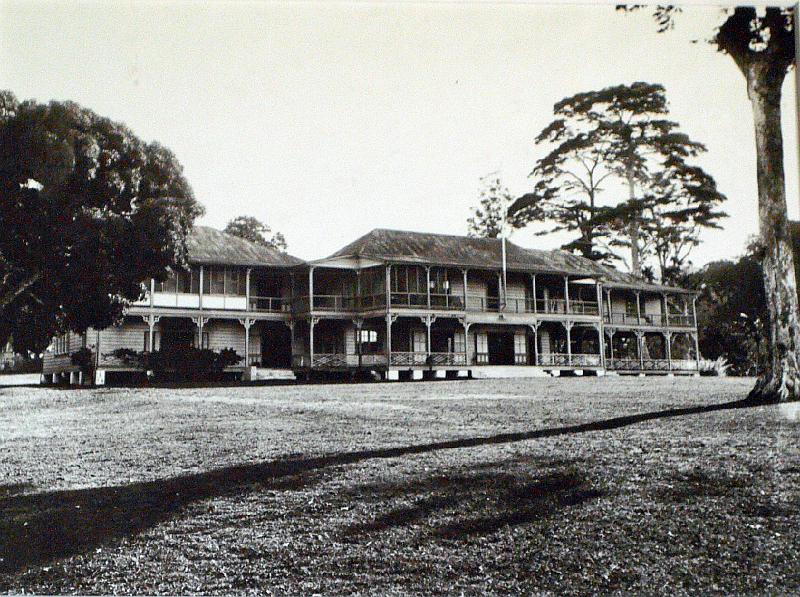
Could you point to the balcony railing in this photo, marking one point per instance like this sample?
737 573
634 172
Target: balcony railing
557 359
419 300
648 319
409 359
271 304
629 364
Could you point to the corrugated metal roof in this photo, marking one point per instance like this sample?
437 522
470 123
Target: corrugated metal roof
209 246
401 246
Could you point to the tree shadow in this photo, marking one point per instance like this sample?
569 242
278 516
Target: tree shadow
38 528
480 503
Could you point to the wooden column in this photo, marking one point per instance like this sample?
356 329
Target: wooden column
694 312
696 349
428 321
428 286
200 299
152 291
601 340
568 327
610 304
246 322
533 289
535 328
388 339
466 341
665 310
464 271
311 288
312 321
668 341
566 294
247 287
388 288
638 309
359 323
639 340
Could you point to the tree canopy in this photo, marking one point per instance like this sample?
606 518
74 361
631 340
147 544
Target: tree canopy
249 228
611 139
94 211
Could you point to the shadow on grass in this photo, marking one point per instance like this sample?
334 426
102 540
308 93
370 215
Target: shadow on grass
37 528
503 499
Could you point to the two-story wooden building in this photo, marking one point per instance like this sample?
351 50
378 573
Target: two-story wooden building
406 305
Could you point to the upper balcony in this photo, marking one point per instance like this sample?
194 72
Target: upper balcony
221 288
680 320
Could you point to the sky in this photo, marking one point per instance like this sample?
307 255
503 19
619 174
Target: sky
326 120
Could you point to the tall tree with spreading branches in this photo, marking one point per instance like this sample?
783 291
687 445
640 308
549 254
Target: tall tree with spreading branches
249 228
89 212
612 135
567 182
761 42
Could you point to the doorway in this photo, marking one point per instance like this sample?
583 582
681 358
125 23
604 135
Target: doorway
276 346
501 348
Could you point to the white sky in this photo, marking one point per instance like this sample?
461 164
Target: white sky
328 120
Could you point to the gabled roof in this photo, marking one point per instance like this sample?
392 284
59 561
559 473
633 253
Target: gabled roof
401 246
209 246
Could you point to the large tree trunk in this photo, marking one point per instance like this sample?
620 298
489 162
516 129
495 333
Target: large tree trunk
633 230
781 381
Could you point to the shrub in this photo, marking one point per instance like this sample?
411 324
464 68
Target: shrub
83 358
181 363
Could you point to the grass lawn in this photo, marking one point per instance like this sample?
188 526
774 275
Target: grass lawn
487 486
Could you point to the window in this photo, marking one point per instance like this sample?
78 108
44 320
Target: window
520 344
61 344
235 281
440 282
419 341
408 279
156 340
205 340
214 280
368 336
459 342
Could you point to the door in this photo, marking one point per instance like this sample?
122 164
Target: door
501 349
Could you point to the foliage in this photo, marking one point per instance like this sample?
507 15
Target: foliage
181 363
732 314
83 358
617 136
489 216
249 228
94 212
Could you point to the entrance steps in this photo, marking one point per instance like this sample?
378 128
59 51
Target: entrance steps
501 371
262 374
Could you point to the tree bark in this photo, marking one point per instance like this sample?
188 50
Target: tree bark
633 231
781 381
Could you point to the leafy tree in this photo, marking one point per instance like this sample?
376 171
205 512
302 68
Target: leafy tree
762 44
681 201
732 314
616 135
567 182
488 217
249 228
91 211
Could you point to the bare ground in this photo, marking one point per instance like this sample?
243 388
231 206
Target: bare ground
491 486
